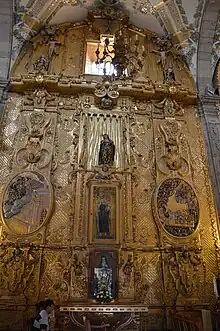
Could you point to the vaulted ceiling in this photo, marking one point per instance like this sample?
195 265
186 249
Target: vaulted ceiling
178 18
168 16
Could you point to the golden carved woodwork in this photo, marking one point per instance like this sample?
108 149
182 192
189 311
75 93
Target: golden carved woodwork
52 125
19 272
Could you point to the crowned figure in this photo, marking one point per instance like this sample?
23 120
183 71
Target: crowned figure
103 282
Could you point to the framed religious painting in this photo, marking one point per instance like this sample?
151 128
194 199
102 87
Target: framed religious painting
104 216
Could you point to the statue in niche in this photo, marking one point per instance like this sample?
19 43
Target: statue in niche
103 220
103 281
41 64
107 151
169 75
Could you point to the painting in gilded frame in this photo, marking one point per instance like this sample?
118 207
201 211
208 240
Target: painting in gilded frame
26 202
104 213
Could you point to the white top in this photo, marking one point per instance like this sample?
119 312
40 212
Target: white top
215 287
43 320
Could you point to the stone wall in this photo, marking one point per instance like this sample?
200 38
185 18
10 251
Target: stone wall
6 25
209 103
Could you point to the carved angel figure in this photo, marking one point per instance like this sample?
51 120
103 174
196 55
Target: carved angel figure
182 266
173 158
126 272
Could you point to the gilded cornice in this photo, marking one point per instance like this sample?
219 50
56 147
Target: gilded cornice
86 85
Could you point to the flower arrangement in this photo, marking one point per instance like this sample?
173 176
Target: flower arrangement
103 295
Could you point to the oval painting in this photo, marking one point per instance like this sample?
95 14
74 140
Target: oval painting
177 207
26 202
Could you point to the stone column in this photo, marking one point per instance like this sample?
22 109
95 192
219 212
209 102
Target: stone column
210 116
6 35
208 102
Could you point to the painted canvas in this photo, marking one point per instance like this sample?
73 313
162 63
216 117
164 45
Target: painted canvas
26 202
104 216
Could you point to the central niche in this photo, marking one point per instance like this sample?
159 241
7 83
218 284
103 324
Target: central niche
99 125
103 275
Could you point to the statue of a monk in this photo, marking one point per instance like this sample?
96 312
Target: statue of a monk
103 281
107 151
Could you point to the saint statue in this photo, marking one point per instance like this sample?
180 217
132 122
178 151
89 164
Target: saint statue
107 151
169 74
103 281
103 216
41 64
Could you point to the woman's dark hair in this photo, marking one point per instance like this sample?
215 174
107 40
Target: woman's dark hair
39 306
48 303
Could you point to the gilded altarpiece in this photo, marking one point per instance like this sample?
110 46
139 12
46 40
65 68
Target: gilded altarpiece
155 198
